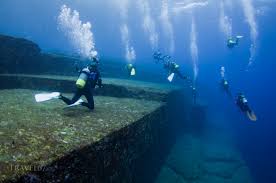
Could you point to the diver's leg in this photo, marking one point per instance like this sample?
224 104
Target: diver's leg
65 100
75 98
180 75
237 40
244 107
247 109
90 99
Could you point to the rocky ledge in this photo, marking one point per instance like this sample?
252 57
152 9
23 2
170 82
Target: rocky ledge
44 142
120 88
197 159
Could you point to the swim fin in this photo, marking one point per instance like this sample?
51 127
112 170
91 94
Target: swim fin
239 37
79 102
42 97
251 115
133 72
171 76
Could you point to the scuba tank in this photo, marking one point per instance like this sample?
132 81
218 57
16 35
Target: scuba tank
81 82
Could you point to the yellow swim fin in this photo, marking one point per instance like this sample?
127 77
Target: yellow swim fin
251 115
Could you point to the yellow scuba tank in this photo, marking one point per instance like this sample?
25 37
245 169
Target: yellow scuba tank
82 80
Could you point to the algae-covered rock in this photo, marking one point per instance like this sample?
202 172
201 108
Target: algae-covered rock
242 175
185 157
119 88
167 175
214 179
206 160
17 54
77 143
221 160
220 152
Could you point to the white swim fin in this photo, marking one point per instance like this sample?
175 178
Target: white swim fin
171 76
133 72
239 37
251 115
42 97
79 102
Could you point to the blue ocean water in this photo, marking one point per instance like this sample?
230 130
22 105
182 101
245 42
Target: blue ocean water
38 21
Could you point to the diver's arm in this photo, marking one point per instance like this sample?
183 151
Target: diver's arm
77 68
99 81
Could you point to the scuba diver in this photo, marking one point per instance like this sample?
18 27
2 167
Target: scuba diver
224 83
157 55
89 77
225 86
242 103
131 69
173 69
232 42
194 92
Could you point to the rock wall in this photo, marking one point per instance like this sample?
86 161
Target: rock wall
191 160
204 155
67 85
110 160
17 53
114 158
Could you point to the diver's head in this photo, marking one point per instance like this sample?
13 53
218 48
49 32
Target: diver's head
93 66
95 59
240 96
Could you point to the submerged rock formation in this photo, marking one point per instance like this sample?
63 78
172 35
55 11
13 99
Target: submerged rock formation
46 143
17 54
21 56
195 159
206 157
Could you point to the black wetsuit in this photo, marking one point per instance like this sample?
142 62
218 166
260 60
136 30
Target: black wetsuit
225 87
93 79
232 43
179 74
194 95
171 67
157 57
243 105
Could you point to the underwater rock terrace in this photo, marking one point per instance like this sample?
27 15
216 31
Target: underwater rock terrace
47 143
121 88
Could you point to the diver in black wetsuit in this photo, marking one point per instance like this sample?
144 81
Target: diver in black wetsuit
88 79
160 58
157 56
194 92
224 83
172 67
232 42
242 103
225 87
131 70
